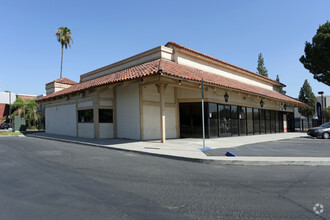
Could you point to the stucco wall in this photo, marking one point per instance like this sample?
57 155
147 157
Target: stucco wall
235 98
151 112
61 119
150 93
190 61
86 130
128 113
151 122
106 130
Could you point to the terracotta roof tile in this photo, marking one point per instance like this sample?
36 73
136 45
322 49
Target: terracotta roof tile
175 70
138 71
63 80
184 72
221 61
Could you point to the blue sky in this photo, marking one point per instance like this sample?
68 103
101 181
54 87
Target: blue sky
108 31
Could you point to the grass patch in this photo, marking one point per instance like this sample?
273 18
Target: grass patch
10 133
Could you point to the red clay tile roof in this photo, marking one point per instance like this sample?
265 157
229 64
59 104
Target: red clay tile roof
63 80
134 72
170 68
221 61
184 72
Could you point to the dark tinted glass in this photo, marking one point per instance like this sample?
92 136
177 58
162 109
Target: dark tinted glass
234 120
273 125
213 120
85 116
190 120
277 122
224 120
105 115
267 113
249 118
280 121
256 125
242 120
262 121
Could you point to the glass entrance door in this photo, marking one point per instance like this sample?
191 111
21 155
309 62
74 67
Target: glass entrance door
224 120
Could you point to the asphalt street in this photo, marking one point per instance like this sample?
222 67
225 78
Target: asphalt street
294 147
44 179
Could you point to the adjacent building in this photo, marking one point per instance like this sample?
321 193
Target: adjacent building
157 95
6 99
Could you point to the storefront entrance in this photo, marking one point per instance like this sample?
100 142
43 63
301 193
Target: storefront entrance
223 120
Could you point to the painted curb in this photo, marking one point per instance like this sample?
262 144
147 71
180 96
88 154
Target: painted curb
233 162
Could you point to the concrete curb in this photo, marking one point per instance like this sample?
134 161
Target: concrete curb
236 161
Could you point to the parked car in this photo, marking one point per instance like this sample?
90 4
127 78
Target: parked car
322 132
4 126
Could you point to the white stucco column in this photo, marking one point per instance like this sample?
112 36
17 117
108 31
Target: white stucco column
162 114
96 117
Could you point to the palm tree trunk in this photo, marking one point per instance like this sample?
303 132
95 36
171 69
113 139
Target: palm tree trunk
61 62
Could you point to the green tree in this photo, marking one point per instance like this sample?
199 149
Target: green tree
64 36
307 96
261 69
27 109
282 91
317 54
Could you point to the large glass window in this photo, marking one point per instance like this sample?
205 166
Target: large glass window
262 121
105 115
273 125
276 122
190 120
242 120
234 120
213 120
267 118
224 120
85 116
249 118
256 125
280 121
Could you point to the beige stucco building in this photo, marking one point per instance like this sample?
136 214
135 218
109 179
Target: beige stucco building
157 95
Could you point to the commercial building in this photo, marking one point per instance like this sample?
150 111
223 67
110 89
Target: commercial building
157 95
6 99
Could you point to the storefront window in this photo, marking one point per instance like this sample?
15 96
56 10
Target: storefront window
267 118
221 120
262 121
224 120
105 115
277 122
234 120
249 114
85 116
190 120
280 121
273 125
213 120
256 122
242 120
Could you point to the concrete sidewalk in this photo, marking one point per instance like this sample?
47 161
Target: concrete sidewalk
190 149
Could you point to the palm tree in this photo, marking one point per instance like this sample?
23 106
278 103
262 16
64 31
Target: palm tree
64 36
18 107
26 109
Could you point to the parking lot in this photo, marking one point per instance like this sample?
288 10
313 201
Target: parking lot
294 147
